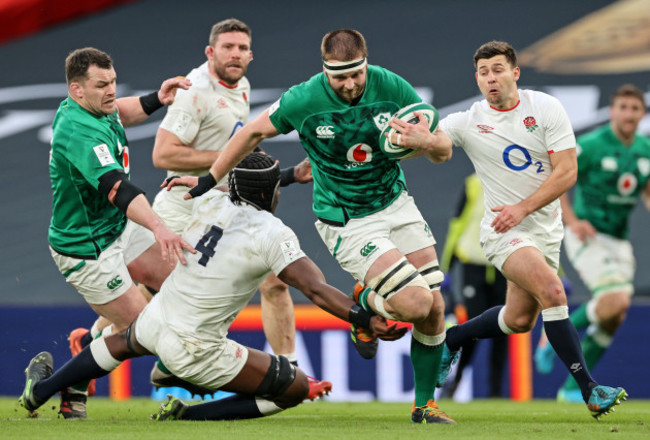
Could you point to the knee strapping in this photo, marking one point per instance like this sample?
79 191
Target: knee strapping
278 378
399 275
432 274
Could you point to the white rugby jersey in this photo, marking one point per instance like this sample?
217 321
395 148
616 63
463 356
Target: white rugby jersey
510 150
206 115
237 247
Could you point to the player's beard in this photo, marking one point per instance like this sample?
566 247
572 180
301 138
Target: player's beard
350 95
222 73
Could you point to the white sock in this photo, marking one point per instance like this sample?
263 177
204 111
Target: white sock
102 356
267 407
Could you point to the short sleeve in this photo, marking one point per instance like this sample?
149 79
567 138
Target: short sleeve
559 132
282 249
454 126
280 111
182 118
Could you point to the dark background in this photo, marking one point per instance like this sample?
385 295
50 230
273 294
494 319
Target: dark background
429 43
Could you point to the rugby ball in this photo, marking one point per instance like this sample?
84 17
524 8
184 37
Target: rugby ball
407 114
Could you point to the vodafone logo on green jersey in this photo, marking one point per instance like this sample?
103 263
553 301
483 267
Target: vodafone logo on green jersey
626 184
359 154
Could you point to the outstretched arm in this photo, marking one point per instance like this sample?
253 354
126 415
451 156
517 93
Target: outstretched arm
304 275
240 145
134 109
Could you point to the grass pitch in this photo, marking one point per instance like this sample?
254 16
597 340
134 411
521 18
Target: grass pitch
481 419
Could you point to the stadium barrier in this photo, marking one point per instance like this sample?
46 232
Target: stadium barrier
325 351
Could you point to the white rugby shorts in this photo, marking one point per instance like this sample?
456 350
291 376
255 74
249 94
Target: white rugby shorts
358 244
210 363
102 280
499 246
605 264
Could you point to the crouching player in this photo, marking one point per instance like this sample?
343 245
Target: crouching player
186 324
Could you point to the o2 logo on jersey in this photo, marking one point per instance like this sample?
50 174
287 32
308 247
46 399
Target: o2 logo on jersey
626 184
236 128
359 154
513 152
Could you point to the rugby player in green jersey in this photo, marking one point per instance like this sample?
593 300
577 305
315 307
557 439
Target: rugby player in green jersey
103 234
365 216
613 173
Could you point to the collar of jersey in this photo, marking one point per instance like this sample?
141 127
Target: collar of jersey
506 109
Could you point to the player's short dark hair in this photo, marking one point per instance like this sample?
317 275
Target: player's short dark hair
255 180
628 90
494 48
228 25
343 45
78 62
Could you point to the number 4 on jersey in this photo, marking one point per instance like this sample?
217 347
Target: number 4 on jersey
207 243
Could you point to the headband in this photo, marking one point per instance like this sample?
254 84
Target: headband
340 67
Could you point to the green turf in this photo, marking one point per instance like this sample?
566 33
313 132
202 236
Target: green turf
481 419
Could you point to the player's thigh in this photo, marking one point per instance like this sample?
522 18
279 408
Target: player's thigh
409 231
99 281
123 310
149 268
528 268
522 308
498 247
359 245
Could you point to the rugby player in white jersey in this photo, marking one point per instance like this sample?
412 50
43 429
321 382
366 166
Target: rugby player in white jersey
189 140
523 149
239 242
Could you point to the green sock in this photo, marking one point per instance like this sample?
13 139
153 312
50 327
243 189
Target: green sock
593 352
162 367
426 363
363 300
579 317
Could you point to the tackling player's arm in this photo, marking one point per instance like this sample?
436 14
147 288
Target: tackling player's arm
305 276
240 145
131 200
134 109
564 175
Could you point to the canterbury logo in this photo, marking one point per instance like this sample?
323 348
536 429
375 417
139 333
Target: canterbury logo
324 131
367 249
115 282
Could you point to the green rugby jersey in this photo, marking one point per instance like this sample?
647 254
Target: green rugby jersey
611 177
84 147
352 177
